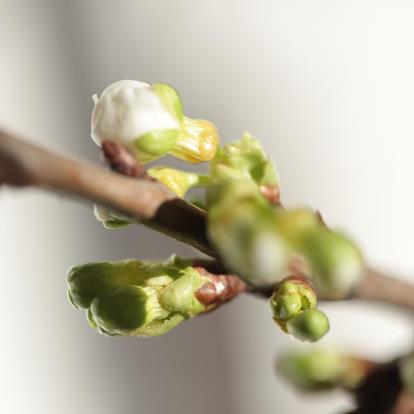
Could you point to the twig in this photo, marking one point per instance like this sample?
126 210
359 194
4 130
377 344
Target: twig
23 164
379 287
150 202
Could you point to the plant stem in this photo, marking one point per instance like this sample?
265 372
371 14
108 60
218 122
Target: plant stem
150 202
23 164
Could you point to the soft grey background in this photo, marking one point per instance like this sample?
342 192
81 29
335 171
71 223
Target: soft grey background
327 85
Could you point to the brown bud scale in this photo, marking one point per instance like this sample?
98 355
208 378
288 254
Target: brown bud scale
219 289
122 160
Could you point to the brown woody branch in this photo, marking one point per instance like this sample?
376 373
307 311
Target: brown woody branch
23 164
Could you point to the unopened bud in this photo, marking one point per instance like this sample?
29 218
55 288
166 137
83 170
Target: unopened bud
308 325
149 120
241 226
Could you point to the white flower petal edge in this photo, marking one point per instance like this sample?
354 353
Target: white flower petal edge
127 110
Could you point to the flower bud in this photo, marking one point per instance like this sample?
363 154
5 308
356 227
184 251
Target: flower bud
317 369
135 298
291 297
335 261
312 370
149 119
241 226
308 325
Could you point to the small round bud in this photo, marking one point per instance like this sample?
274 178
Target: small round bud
291 297
309 325
285 307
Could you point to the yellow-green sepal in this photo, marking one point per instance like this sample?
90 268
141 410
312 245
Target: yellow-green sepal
155 144
170 99
179 296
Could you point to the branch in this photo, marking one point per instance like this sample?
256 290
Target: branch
23 164
149 201
380 287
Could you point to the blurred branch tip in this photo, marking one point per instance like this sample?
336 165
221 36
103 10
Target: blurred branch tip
255 244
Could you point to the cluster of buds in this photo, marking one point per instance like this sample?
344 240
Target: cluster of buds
254 236
259 240
136 298
294 309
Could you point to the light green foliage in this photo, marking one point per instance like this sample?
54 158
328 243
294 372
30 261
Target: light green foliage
135 298
243 159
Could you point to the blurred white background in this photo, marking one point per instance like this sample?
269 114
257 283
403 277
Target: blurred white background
327 85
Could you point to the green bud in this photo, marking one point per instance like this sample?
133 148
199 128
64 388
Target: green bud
308 325
286 306
292 296
335 261
242 159
241 227
312 370
178 181
407 373
136 298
